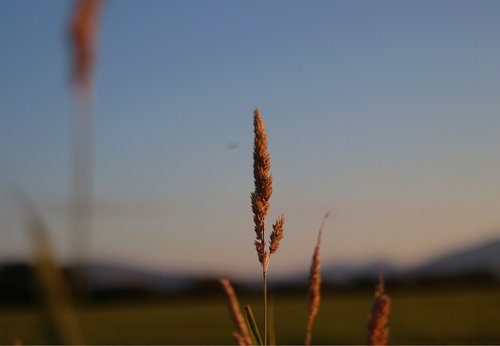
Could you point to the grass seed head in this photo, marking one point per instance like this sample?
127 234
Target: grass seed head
277 234
263 185
378 333
83 30
314 284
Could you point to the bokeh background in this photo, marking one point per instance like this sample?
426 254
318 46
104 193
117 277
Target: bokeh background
384 113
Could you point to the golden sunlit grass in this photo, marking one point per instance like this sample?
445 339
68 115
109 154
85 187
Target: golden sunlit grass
263 182
378 333
377 324
314 285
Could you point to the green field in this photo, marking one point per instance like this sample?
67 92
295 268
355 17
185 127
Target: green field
445 317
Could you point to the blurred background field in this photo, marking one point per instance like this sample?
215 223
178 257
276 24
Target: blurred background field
438 315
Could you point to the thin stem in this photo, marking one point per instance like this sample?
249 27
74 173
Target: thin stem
265 308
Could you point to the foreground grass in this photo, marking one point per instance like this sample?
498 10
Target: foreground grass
424 317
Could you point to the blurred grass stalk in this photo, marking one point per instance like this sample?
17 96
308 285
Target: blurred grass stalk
252 324
83 28
272 328
242 334
60 318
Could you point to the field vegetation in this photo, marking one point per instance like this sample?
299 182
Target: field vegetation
423 316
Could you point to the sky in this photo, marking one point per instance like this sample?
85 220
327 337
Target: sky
386 114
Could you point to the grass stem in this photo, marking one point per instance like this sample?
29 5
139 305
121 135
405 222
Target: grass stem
265 308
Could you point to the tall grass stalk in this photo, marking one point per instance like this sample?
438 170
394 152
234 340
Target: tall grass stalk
260 206
83 30
266 325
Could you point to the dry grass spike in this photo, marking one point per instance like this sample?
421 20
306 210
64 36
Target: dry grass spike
276 234
314 284
378 333
242 335
263 182
239 339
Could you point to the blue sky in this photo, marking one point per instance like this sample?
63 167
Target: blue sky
385 113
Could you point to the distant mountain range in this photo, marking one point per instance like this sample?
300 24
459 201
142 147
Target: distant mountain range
481 258
106 276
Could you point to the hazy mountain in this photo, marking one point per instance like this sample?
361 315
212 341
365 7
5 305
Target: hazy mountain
107 276
14 277
485 257
344 273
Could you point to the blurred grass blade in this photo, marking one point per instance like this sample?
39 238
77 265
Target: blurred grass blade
61 318
272 330
252 335
252 326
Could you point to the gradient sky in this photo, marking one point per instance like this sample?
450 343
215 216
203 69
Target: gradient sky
387 113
